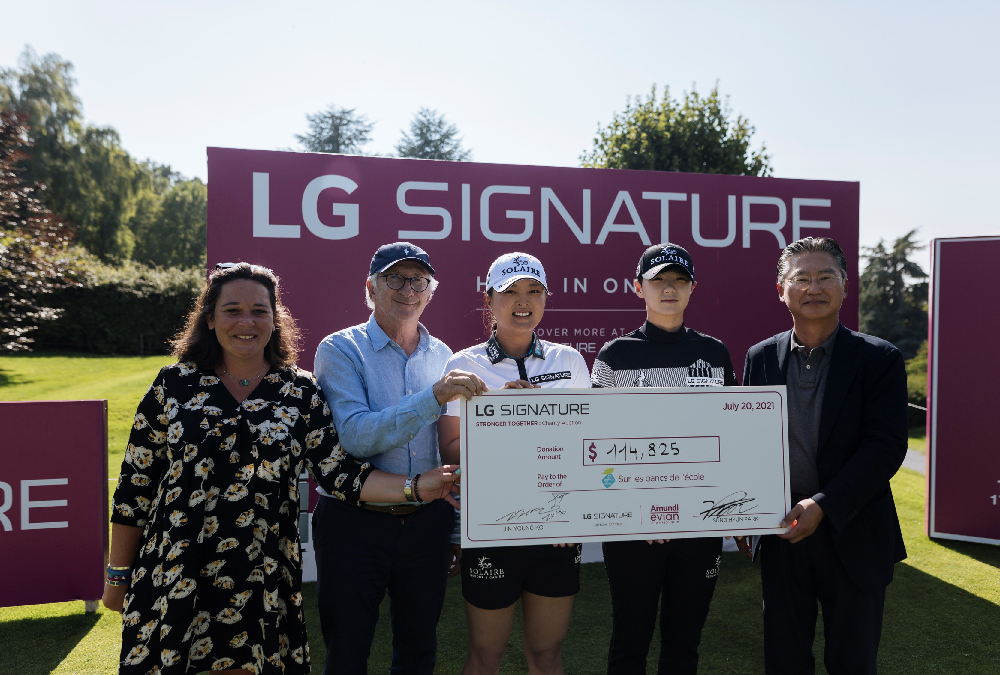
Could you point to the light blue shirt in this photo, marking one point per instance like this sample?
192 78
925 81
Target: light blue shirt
383 400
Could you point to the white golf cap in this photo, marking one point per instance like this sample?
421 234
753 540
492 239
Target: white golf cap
510 267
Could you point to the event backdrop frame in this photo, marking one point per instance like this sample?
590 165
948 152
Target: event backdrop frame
963 462
316 219
53 501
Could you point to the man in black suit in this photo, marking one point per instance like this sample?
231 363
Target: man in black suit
847 430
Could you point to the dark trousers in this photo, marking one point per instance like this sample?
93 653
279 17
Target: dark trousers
683 572
360 555
794 577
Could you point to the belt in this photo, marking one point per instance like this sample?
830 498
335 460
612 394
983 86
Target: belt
394 509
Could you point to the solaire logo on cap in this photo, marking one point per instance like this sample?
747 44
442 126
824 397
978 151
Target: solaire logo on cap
520 264
668 255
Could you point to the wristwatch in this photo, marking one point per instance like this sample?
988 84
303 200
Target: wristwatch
408 490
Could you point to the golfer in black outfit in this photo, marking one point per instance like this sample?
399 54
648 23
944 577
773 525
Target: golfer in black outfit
662 353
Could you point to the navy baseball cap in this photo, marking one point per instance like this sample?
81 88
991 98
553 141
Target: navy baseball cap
390 254
661 257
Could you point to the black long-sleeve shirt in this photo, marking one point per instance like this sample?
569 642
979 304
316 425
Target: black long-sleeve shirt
653 357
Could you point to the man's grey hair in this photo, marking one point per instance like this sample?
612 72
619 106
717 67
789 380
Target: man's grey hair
812 245
373 279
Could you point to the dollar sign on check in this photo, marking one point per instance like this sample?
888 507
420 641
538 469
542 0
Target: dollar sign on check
593 452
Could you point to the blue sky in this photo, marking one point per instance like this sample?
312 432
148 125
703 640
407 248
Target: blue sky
899 96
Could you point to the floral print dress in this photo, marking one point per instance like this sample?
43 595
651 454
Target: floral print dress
214 483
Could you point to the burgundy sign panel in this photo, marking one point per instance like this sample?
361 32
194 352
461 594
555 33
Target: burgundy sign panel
963 477
318 219
53 501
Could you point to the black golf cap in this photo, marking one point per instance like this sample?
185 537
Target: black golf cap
390 254
662 256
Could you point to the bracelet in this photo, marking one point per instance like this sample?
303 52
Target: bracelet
119 576
408 487
416 492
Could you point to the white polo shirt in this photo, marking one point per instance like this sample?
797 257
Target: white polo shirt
547 364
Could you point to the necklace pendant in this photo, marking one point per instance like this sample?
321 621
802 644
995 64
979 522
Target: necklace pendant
244 383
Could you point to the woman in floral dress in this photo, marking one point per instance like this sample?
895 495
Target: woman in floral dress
206 511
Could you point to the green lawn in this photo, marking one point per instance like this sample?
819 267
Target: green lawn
120 379
918 439
942 610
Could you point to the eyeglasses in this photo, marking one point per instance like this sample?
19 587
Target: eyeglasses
802 283
397 281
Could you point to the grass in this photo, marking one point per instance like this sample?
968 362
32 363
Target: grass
56 377
918 439
942 609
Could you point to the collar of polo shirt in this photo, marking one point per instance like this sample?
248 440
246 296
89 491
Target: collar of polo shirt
497 354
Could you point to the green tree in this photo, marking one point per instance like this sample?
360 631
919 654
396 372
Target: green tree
696 135
432 137
103 193
162 175
172 230
91 180
33 244
893 296
916 384
336 130
42 89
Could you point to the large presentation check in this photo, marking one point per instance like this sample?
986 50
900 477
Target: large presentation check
615 464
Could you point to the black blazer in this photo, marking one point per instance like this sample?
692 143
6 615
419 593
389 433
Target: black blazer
862 443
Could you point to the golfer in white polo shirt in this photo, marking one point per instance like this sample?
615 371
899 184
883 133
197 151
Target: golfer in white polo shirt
546 577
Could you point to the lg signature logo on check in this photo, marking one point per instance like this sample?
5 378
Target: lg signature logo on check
534 410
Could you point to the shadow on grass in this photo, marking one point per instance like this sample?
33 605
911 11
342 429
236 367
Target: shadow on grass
988 554
8 378
37 646
930 626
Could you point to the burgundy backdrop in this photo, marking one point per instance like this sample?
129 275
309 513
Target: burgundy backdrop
53 501
317 219
963 477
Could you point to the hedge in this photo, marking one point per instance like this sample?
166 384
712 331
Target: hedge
131 309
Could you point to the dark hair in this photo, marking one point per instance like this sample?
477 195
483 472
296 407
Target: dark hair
812 245
489 323
196 342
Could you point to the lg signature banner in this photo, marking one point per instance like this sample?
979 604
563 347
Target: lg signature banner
53 501
317 219
963 476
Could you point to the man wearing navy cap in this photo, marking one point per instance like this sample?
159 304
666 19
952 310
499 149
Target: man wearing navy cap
381 380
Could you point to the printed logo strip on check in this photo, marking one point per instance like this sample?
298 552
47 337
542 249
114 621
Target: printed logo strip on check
618 464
